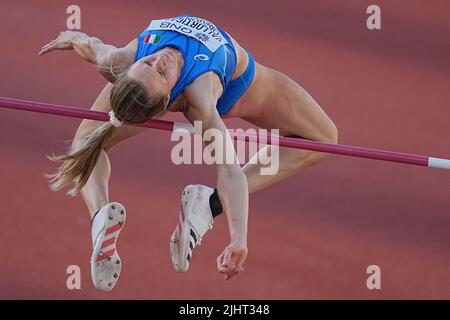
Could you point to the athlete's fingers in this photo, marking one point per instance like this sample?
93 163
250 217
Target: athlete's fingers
44 51
229 274
221 265
58 43
229 271
241 259
223 268
45 46
219 258
235 272
50 43
48 47
226 257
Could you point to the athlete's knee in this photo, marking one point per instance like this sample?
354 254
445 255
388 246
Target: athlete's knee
335 136
78 144
85 128
331 135
84 133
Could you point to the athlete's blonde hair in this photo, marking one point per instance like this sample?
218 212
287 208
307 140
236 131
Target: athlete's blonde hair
131 103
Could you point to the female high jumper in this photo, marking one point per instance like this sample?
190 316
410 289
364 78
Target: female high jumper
183 64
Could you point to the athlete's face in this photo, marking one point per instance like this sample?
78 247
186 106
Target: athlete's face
158 72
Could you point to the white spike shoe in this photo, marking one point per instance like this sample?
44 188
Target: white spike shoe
105 261
194 221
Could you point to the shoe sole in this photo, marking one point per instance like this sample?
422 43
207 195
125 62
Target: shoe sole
106 265
179 245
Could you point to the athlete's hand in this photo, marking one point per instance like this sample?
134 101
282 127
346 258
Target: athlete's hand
64 41
232 258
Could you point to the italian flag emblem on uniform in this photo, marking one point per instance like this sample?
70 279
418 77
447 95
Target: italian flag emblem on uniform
152 38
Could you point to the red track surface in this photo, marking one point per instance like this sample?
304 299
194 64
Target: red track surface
312 236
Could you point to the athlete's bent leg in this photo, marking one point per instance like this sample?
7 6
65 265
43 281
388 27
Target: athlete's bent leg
95 191
286 106
289 108
106 264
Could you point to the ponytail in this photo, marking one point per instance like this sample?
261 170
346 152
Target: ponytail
81 159
131 104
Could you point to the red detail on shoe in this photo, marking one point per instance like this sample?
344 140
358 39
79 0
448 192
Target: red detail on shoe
108 242
113 228
105 255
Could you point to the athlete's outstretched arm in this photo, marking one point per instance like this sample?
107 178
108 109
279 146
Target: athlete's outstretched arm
109 59
231 180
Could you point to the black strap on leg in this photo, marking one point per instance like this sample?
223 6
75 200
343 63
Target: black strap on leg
214 204
95 214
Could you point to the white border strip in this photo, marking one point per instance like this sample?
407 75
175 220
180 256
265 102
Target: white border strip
438 163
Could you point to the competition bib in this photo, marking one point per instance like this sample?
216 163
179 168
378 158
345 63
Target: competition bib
200 29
